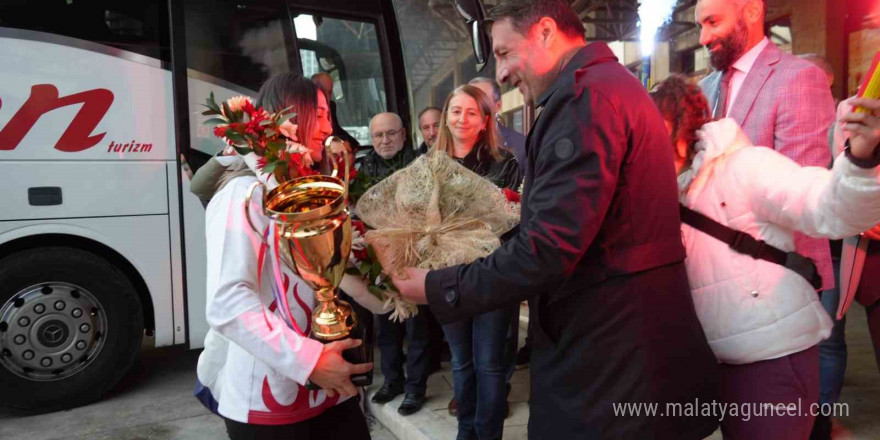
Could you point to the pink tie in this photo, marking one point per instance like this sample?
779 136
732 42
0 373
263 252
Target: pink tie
723 91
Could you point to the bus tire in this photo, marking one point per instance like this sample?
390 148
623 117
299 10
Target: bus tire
71 325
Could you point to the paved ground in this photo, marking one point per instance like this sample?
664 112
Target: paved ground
155 402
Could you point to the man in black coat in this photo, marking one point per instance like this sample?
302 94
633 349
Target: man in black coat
599 245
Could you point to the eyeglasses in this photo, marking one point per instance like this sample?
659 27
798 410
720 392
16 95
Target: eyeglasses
390 133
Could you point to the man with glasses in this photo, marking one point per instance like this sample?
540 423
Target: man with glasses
390 154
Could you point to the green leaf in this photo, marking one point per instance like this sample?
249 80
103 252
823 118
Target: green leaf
269 132
372 253
365 268
375 271
243 151
209 112
390 285
375 290
282 167
228 111
235 137
353 271
215 121
270 167
277 144
211 103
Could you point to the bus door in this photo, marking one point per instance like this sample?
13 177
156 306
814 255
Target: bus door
233 47
360 48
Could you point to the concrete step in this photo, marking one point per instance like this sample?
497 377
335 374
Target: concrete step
433 422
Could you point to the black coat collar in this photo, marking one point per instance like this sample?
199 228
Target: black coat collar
593 53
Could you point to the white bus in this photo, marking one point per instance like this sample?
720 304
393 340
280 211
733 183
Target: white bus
101 241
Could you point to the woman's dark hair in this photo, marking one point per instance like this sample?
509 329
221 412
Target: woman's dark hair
683 105
292 90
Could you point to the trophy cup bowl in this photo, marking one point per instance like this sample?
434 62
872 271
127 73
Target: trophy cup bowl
314 230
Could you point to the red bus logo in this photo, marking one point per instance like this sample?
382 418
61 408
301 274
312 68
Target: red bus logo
44 98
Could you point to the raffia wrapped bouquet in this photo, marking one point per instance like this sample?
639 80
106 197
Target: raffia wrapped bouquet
433 214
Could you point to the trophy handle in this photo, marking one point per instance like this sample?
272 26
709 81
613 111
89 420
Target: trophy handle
247 208
352 320
347 158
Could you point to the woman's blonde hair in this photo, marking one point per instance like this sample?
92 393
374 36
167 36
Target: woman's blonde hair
488 136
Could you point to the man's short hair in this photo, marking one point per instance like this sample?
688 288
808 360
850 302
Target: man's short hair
496 91
426 110
525 13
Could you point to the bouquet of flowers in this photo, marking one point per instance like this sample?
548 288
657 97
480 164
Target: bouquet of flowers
432 214
269 136
366 265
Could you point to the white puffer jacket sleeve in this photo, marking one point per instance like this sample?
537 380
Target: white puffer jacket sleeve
236 308
812 200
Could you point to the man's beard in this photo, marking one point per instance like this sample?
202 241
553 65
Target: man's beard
732 47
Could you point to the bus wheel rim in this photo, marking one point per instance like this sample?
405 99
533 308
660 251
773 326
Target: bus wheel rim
51 331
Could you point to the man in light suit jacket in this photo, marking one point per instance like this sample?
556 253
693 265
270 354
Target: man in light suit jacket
780 101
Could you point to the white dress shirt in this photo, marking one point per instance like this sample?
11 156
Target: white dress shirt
741 69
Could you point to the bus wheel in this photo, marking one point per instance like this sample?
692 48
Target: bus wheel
71 325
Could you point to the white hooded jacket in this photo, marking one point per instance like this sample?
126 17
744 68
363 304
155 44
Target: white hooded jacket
254 365
750 309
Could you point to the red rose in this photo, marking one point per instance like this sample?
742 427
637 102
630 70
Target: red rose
511 195
248 108
360 255
359 226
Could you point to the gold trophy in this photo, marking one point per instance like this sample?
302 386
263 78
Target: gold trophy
314 229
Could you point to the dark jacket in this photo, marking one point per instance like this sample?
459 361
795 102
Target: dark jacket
514 142
503 172
374 166
599 252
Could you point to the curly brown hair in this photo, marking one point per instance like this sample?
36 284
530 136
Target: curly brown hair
685 108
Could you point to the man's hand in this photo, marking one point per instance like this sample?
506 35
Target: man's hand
412 287
863 128
333 373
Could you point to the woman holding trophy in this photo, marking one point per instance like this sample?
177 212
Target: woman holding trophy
258 357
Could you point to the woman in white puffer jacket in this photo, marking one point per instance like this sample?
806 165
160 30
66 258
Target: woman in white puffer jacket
763 321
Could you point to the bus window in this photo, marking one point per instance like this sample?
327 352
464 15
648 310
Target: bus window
349 51
139 26
231 49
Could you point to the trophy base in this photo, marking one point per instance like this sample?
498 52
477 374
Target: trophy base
358 355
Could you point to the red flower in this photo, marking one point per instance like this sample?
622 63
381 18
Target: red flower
359 226
511 195
360 255
220 131
261 162
248 108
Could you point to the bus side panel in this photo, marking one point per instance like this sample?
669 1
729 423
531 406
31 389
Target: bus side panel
88 105
193 219
56 189
142 240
